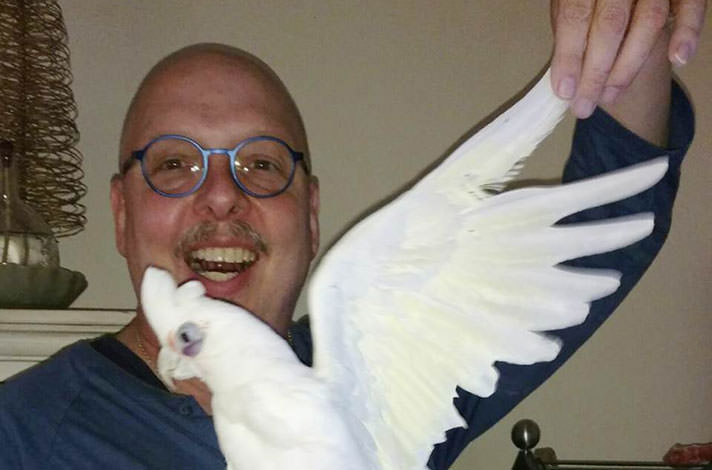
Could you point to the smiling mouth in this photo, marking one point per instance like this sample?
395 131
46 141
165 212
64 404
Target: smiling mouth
220 263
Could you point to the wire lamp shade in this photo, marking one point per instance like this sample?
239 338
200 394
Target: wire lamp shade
38 111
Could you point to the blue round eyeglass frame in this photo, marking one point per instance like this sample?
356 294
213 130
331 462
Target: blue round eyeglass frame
231 153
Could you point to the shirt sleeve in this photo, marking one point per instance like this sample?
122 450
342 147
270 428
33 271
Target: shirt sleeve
600 144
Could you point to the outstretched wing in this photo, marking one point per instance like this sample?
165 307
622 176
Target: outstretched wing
428 292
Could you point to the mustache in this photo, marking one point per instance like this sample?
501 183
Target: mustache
204 231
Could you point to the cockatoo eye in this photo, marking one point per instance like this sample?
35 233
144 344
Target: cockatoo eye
189 338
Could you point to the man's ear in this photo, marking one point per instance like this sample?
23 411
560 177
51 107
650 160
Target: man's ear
314 213
118 209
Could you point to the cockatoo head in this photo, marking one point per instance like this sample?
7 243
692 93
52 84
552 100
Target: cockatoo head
187 324
205 337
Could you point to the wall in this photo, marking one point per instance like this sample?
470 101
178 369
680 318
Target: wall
385 88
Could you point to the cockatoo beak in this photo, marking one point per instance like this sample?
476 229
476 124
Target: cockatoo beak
168 361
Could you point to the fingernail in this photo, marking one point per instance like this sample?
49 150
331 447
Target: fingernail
609 94
583 108
567 88
682 55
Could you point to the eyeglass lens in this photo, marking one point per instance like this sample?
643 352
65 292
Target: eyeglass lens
176 166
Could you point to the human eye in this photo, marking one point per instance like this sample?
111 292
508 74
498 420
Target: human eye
175 162
172 165
265 163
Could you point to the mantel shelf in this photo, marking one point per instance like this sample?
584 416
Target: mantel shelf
30 336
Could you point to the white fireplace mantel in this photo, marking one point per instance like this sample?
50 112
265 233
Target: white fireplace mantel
30 336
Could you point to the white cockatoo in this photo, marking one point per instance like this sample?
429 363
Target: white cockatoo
419 297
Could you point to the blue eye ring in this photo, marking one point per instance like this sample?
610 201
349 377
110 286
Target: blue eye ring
189 337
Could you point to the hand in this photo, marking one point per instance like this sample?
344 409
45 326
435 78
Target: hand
600 45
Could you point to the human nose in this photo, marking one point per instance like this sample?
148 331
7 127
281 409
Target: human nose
219 196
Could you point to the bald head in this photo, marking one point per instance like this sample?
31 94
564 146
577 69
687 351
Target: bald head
186 75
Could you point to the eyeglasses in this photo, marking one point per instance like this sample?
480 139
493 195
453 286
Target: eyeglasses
176 166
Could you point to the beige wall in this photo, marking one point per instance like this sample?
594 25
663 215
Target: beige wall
386 87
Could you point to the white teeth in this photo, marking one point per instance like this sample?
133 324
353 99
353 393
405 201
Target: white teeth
231 261
218 276
224 255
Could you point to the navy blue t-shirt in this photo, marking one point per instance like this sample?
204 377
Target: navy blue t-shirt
95 405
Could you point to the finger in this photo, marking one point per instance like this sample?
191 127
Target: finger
689 18
610 21
649 20
571 22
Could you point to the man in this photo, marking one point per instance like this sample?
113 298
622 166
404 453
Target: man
100 404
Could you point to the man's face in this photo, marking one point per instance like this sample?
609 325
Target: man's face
218 103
